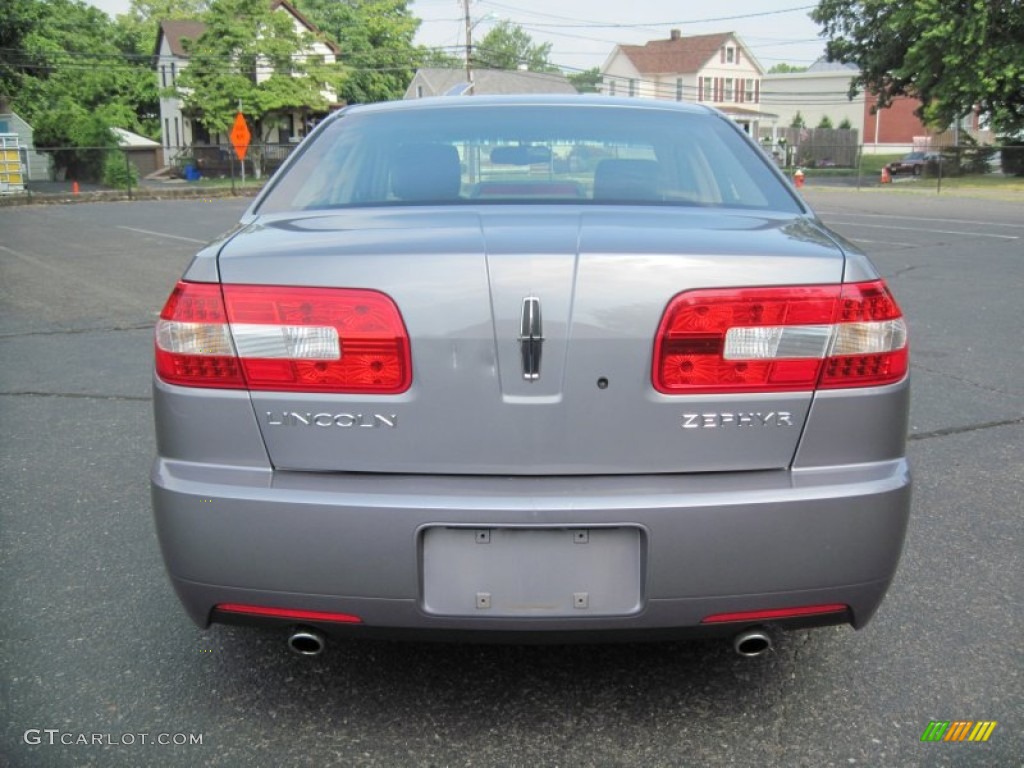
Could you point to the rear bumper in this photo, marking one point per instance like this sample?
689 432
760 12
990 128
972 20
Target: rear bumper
352 543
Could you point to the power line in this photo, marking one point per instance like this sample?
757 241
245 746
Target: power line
609 25
633 25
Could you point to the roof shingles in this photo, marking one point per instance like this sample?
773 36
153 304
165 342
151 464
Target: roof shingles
496 81
175 31
680 55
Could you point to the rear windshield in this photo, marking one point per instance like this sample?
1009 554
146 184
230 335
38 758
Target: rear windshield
588 155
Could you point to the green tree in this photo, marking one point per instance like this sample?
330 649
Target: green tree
436 57
253 55
845 124
19 19
508 46
78 78
375 38
950 55
784 69
586 81
825 122
797 121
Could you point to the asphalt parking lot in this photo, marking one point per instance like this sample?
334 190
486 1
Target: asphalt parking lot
94 643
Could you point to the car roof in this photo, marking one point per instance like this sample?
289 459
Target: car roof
546 99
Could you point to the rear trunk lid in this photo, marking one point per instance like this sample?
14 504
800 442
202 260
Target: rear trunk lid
532 331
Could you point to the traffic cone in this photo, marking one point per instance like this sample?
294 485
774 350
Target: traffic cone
74 187
886 176
798 178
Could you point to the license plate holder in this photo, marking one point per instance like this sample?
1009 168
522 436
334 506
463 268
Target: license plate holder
493 572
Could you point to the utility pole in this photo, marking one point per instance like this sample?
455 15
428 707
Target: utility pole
469 47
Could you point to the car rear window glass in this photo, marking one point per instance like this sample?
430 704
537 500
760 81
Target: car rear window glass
588 155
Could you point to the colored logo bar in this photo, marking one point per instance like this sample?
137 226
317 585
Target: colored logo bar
958 730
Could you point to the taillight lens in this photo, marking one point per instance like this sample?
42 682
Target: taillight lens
283 338
781 338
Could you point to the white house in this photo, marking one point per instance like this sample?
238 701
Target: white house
718 70
178 130
819 91
823 91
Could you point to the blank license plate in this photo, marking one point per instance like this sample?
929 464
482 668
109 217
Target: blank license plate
494 572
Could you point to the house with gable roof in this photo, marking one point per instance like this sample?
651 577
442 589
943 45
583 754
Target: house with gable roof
435 81
718 70
179 131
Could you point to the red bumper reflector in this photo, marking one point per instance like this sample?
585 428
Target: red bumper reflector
288 613
775 613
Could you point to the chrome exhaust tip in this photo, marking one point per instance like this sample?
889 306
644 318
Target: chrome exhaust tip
752 643
307 642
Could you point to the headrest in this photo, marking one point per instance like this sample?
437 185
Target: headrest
426 172
627 180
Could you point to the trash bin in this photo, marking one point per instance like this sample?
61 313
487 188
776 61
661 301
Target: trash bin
191 173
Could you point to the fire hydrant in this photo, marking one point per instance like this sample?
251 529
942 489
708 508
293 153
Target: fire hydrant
798 178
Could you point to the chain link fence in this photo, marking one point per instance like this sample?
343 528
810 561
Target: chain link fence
934 167
145 171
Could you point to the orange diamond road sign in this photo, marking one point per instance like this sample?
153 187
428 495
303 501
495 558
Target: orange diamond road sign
240 136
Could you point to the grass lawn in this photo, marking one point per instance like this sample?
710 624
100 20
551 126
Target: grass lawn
250 183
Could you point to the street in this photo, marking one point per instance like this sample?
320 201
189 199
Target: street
94 642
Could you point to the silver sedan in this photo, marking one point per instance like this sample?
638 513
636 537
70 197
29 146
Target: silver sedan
555 368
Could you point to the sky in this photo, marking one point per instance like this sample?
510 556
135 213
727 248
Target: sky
583 32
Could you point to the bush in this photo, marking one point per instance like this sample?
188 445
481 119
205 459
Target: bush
118 172
1013 158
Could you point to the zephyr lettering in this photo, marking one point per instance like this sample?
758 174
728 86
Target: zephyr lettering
343 420
741 419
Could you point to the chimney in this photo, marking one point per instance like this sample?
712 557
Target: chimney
675 34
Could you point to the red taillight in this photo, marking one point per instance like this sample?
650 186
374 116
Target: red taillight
283 338
782 338
288 613
870 341
776 613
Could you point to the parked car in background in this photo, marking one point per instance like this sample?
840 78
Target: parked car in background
531 367
916 163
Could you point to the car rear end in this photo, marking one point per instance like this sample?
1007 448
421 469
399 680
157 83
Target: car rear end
439 389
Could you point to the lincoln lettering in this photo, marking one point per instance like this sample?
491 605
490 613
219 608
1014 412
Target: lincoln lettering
344 420
739 419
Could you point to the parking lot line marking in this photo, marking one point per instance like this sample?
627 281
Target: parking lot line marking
926 231
885 242
919 218
62 273
164 234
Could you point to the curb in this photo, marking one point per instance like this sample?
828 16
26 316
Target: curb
114 196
